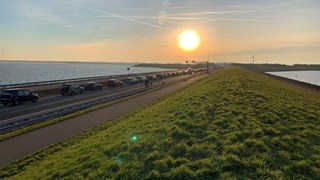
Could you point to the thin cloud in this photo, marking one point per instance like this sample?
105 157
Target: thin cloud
161 16
67 15
165 2
168 18
26 23
204 13
114 15
252 20
260 9
27 11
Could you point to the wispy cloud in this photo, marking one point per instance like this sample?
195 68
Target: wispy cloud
252 20
113 14
205 13
165 3
259 9
161 17
26 10
26 23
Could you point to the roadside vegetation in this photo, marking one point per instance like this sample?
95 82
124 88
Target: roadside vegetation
234 125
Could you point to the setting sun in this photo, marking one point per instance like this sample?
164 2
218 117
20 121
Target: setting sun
188 40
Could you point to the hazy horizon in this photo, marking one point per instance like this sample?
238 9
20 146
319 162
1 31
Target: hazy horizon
132 62
282 32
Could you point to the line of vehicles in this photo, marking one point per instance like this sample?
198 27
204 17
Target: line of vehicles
18 96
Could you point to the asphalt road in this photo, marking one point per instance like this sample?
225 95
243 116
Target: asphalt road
12 113
23 145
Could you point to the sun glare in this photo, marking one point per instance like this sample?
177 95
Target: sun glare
188 40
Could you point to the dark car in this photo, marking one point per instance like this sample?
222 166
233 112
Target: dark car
114 83
160 76
71 89
93 86
17 96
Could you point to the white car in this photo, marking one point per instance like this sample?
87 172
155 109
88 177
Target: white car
132 80
141 78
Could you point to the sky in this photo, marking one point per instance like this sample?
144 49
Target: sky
273 31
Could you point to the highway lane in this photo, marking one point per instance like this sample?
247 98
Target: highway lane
59 100
10 113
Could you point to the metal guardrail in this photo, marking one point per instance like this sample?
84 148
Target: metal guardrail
61 112
42 83
23 122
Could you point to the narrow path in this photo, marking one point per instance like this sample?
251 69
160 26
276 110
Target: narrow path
28 143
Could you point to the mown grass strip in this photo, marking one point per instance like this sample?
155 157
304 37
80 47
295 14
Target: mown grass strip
235 125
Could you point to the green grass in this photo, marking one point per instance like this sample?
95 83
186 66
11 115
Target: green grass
234 125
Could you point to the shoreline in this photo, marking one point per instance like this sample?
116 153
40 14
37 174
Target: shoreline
305 85
265 69
69 62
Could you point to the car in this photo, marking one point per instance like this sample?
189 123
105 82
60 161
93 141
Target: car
92 86
141 78
114 83
17 96
132 80
160 76
71 89
169 74
151 77
189 71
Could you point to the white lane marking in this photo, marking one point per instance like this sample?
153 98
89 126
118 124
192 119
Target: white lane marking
9 108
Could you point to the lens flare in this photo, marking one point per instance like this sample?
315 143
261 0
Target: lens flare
134 138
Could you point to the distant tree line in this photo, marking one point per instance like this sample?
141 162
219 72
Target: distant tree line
175 65
278 67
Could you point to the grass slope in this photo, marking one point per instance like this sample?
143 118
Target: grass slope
233 125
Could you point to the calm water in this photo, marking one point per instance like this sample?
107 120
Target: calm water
312 77
25 72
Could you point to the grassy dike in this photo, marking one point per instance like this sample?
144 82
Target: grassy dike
233 125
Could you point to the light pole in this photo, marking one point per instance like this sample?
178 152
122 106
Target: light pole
2 53
208 62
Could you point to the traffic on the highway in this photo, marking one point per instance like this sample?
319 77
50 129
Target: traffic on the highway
17 108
